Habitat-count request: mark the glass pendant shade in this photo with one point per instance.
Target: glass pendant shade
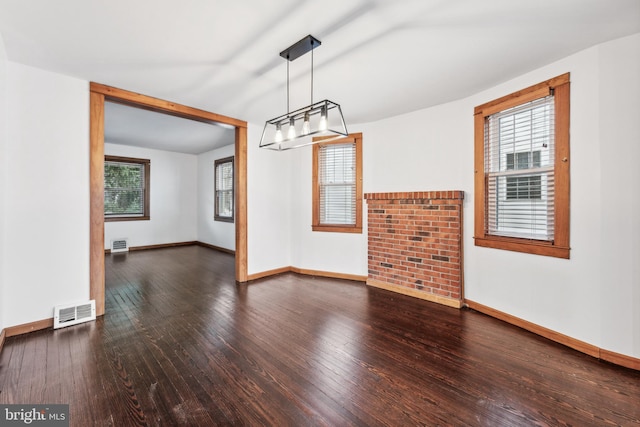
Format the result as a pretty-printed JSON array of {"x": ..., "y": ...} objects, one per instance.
[
  {"x": 306, "y": 126},
  {"x": 324, "y": 118},
  {"x": 278, "y": 135},
  {"x": 292, "y": 129}
]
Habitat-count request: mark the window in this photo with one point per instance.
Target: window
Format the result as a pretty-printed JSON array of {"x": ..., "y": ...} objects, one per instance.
[
  {"x": 337, "y": 185},
  {"x": 523, "y": 187},
  {"x": 522, "y": 170},
  {"x": 126, "y": 188},
  {"x": 224, "y": 189}
]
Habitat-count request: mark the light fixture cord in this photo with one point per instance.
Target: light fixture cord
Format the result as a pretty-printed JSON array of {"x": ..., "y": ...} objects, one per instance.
[
  {"x": 312, "y": 72},
  {"x": 288, "y": 84}
]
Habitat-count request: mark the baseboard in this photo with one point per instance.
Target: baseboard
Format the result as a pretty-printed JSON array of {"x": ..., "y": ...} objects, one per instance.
[
  {"x": 162, "y": 246},
  {"x": 2, "y": 337},
  {"x": 25, "y": 328},
  {"x": 620, "y": 359},
  {"x": 307, "y": 272},
  {"x": 581, "y": 346},
  {"x": 329, "y": 274},
  {"x": 268, "y": 273},
  {"x": 174, "y": 245},
  {"x": 216, "y": 248},
  {"x": 449, "y": 302},
  {"x": 158, "y": 246}
]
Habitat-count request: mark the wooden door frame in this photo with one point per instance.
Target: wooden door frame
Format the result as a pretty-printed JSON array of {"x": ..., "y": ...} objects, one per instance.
[{"x": 98, "y": 95}]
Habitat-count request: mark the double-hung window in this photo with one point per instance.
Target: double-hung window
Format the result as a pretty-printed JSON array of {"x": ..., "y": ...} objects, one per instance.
[
  {"x": 126, "y": 188},
  {"x": 337, "y": 185},
  {"x": 522, "y": 170},
  {"x": 224, "y": 190}
]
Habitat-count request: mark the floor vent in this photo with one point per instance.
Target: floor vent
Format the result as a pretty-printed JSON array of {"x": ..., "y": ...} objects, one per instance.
[
  {"x": 67, "y": 315},
  {"x": 119, "y": 245}
]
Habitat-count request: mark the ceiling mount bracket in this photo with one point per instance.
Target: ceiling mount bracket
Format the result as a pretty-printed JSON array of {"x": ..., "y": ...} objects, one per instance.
[{"x": 296, "y": 50}]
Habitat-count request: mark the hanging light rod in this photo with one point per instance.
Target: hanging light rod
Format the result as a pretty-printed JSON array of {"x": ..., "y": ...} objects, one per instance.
[{"x": 302, "y": 124}]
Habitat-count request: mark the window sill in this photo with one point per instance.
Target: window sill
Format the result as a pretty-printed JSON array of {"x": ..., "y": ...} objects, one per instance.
[
  {"x": 127, "y": 218},
  {"x": 337, "y": 228},
  {"x": 223, "y": 219},
  {"x": 523, "y": 245}
]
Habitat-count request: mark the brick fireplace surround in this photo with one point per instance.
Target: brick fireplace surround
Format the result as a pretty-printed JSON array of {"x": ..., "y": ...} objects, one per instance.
[{"x": 415, "y": 244}]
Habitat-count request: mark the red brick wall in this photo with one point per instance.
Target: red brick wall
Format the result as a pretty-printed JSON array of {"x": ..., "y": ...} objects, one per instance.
[{"x": 415, "y": 242}]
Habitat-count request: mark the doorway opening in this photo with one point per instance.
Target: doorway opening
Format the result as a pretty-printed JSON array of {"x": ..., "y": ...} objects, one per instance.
[{"x": 99, "y": 94}]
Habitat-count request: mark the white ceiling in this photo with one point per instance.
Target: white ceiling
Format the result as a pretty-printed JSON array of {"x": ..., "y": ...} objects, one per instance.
[
  {"x": 127, "y": 125},
  {"x": 378, "y": 58}
]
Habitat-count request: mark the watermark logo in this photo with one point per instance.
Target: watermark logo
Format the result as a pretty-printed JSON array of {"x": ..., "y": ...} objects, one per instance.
[{"x": 34, "y": 415}]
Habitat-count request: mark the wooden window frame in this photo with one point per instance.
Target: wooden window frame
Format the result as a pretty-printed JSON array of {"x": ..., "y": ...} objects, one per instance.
[
  {"x": 341, "y": 228},
  {"x": 559, "y": 247},
  {"x": 217, "y": 216},
  {"x": 147, "y": 179}
]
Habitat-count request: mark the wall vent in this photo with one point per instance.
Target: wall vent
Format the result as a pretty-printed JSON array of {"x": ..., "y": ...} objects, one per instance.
[
  {"x": 72, "y": 314},
  {"x": 119, "y": 245}
]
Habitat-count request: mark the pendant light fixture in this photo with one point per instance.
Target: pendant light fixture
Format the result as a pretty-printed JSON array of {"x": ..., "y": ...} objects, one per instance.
[{"x": 323, "y": 118}]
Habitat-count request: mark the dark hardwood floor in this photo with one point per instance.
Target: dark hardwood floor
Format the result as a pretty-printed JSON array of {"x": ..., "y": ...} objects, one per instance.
[{"x": 183, "y": 344}]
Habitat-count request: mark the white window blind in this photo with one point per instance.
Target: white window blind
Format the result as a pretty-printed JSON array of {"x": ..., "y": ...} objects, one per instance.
[
  {"x": 337, "y": 182},
  {"x": 224, "y": 189},
  {"x": 123, "y": 189},
  {"x": 519, "y": 165}
]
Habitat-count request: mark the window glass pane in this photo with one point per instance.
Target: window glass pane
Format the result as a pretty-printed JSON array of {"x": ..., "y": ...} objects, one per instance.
[
  {"x": 536, "y": 159},
  {"x": 524, "y": 187},
  {"x": 510, "y": 162},
  {"x": 337, "y": 204},
  {"x": 123, "y": 189},
  {"x": 337, "y": 182},
  {"x": 523, "y": 160},
  {"x": 225, "y": 203},
  {"x": 225, "y": 176},
  {"x": 519, "y": 164},
  {"x": 224, "y": 189}
]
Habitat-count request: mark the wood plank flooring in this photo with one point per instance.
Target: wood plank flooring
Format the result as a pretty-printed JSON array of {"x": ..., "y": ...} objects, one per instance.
[{"x": 182, "y": 344}]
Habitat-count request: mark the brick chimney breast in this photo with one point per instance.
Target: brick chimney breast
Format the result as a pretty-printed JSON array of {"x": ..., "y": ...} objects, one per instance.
[{"x": 415, "y": 244}]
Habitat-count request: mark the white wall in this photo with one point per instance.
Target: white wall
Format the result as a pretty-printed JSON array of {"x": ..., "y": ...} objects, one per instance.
[
  {"x": 269, "y": 205},
  {"x": 620, "y": 193},
  {"x": 218, "y": 233},
  {"x": 323, "y": 251},
  {"x": 3, "y": 167},
  {"x": 47, "y": 194},
  {"x": 594, "y": 296},
  {"x": 173, "y": 199}
]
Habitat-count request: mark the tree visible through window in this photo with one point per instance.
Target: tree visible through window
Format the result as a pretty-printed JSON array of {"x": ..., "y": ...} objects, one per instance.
[
  {"x": 126, "y": 188},
  {"x": 522, "y": 170},
  {"x": 224, "y": 189}
]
